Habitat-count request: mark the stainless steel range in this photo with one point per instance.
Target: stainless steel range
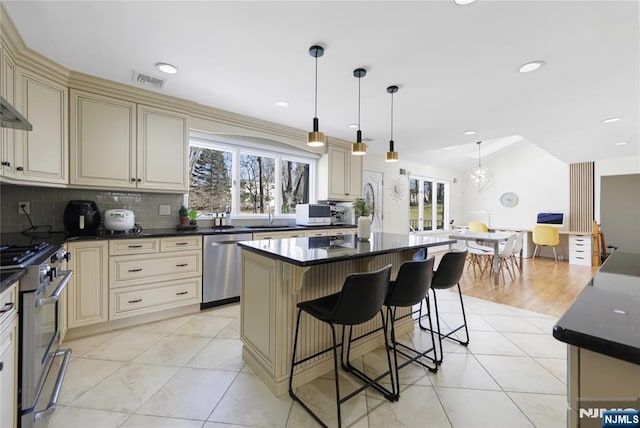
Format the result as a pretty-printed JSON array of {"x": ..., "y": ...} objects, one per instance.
[{"x": 39, "y": 342}]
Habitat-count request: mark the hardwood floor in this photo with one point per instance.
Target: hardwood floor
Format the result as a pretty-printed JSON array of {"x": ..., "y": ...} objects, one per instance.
[{"x": 545, "y": 286}]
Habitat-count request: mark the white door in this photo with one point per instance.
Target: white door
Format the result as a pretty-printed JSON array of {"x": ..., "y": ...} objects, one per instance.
[{"x": 372, "y": 192}]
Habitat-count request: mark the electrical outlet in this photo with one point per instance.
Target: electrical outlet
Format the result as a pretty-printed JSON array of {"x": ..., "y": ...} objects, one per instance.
[
  {"x": 164, "y": 209},
  {"x": 26, "y": 205}
]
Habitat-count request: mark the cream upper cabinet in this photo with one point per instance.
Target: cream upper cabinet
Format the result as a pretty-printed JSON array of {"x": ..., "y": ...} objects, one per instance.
[
  {"x": 119, "y": 144},
  {"x": 41, "y": 155},
  {"x": 162, "y": 150},
  {"x": 103, "y": 141},
  {"x": 7, "y": 135},
  {"x": 88, "y": 292},
  {"x": 339, "y": 175}
]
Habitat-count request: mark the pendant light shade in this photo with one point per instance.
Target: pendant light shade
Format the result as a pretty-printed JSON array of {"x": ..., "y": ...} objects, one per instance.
[
  {"x": 480, "y": 178},
  {"x": 359, "y": 148},
  {"x": 392, "y": 155},
  {"x": 315, "y": 137}
]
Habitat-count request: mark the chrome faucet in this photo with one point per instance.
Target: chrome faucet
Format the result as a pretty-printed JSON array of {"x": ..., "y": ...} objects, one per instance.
[{"x": 271, "y": 217}]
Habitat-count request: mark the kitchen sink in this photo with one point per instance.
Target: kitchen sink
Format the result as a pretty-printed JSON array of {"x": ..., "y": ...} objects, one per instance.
[{"x": 269, "y": 226}]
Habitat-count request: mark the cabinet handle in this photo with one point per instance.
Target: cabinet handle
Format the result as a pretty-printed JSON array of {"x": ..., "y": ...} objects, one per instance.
[
  {"x": 138, "y": 180},
  {"x": 181, "y": 243},
  {"x": 182, "y": 265},
  {"x": 135, "y": 246},
  {"x": 135, "y": 301},
  {"x": 182, "y": 293},
  {"x": 7, "y": 307},
  {"x": 135, "y": 270},
  {"x": 19, "y": 168},
  {"x": 5, "y": 163},
  {"x": 133, "y": 180}
]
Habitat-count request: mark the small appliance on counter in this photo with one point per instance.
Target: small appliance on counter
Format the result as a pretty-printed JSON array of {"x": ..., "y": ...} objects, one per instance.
[
  {"x": 313, "y": 215},
  {"x": 81, "y": 217},
  {"x": 119, "y": 220}
]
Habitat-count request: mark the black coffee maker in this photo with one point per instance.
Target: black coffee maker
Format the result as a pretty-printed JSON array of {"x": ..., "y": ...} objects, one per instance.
[{"x": 81, "y": 217}]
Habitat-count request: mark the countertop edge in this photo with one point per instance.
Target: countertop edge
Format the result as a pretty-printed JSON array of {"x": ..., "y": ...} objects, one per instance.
[{"x": 602, "y": 346}]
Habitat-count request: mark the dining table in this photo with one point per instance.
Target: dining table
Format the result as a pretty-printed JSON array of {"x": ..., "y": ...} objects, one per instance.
[{"x": 488, "y": 239}]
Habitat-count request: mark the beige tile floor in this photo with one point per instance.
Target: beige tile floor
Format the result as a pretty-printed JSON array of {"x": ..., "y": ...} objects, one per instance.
[{"x": 188, "y": 372}]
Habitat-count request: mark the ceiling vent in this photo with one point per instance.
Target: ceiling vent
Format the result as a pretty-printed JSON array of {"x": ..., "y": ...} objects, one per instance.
[{"x": 148, "y": 81}]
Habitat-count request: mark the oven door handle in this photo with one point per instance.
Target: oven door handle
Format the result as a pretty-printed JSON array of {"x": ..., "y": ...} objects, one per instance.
[
  {"x": 66, "y": 276},
  {"x": 53, "y": 400}
]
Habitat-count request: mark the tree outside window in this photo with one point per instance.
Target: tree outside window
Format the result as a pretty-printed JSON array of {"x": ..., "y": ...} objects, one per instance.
[
  {"x": 294, "y": 185},
  {"x": 257, "y": 184},
  {"x": 210, "y": 181}
]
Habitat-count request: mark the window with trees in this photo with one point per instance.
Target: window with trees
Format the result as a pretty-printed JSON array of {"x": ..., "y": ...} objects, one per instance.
[
  {"x": 247, "y": 181},
  {"x": 428, "y": 204}
]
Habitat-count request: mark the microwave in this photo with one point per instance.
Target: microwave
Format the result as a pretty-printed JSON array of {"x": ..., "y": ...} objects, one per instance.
[{"x": 313, "y": 215}]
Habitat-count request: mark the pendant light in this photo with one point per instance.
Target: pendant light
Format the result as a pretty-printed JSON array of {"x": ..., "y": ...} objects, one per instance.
[
  {"x": 392, "y": 155},
  {"x": 315, "y": 137},
  {"x": 480, "y": 177},
  {"x": 359, "y": 148}
]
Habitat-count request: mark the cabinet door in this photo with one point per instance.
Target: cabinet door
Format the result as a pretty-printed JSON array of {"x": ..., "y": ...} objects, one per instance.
[
  {"x": 87, "y": 290},
  {"x": 42, "y": 154},
  {"x": 9, "y": 373},
  {"x": 7, "y": 135},
  {"x": 103, "y": 141},
  {"x": 162, "y": 150},
  {"x": 354, "y": 189},
  {"x": 338, "y": 172}
]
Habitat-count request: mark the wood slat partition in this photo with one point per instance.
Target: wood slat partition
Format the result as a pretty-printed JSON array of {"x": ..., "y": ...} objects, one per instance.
[{"x": 581, "y": 196}]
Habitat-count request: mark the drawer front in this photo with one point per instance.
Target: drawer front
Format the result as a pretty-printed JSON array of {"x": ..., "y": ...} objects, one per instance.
[
  {"x": 181, "y": 243},
  {"x": 142, "y": 299},
  {"x": 324, "y": 232},
  {"x": 9, "y": 303},
  {"x": 279, "y": 234},
  {"x": 580, "y": 243},
  {"x": 133, "y": 246},
  {"x": 141, "y": 269},
  {"x": 580, "y": 258},
  {"x": 341, "y": 232}
]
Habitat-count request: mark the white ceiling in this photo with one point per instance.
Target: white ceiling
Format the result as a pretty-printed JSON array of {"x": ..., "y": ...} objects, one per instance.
[{"x": 456, "y": 66}]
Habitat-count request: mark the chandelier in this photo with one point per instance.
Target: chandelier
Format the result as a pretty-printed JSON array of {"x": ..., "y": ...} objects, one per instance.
[{"x": 480, "y": 178}]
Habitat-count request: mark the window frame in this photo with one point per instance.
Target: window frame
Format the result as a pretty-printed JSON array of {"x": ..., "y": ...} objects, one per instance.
[{"x": 254, "y": 149}]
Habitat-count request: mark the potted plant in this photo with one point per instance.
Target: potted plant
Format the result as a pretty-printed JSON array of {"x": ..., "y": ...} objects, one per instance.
[
  {"x": 193, "y": 214},
  {"x": 363, "y": 210},
  {"x": 183, "y": 212}
]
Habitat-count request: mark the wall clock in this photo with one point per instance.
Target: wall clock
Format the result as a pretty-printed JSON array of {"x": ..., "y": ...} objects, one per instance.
[
  {"x": 397, "y": 189},
  {"x": 509, "y": 199}
]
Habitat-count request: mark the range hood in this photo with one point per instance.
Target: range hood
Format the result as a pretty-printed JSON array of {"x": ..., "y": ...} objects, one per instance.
[{"x": 10, "y": 118}]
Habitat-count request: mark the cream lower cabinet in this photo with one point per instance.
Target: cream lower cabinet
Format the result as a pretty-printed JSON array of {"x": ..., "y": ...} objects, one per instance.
[
  {"x": 340, "y": 175},
  {"x": 9, "y": 357},
  {"x": 42, "y": 155},
  {"x": 343, "y": 231},
  {"x": 280, "y": 234},
  {"x": 121, "y": 144},
  {"x": 87, "y": 291},
  {"x": 150, "y": 275}
]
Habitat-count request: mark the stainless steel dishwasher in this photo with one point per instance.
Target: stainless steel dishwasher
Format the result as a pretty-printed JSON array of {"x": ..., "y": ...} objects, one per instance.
[{"x": 221, "y": 269}]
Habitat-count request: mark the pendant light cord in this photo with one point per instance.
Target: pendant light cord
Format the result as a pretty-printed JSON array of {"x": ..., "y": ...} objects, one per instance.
[
  {"x": 479, "y": 165},
  {"x": 359, "y": 78},
  {"x": 392, "y": 116},
  {"x": 316, "y": 89}
]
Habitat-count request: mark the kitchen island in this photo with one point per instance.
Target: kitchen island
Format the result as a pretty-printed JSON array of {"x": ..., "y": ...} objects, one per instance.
[
  {"x": 279, "y": 273},
  {"x": 602, "y": 330}
]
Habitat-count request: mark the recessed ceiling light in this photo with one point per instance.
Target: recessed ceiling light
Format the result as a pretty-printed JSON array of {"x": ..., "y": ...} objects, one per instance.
[
  {"x": 167, "y": 68},
  {"x": 463, "y": 2},
  {"x": 530, "y": 66},
  {"x": 282, "y": 103},
  {"x": 611, "y": 120},
  {"x": 622, "y": 143},
  {"x": 469, "y": 132},
  {"x": 451, "y": 148},
  {"x": 352, "y": 126}
]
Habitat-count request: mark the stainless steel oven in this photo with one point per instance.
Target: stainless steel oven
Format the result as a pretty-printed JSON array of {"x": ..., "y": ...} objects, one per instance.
[{"x": 40, "y": 380}]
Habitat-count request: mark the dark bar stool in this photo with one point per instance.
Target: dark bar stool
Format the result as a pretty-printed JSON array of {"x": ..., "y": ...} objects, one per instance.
[
  {"x": 446, "y": 276},
  {"x": 410, "y": 287},
  {"x": 359, "y": 301}
]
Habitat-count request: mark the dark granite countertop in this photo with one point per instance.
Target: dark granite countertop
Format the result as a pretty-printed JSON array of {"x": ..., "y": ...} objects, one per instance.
[
  {"x": 605, "y": 317},
  {"x": 8, "y": 277},
  {"x": 324, "y": 249}
]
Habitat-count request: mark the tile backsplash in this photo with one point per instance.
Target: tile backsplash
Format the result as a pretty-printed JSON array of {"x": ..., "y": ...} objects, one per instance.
[{"x": 47, "y": 206}]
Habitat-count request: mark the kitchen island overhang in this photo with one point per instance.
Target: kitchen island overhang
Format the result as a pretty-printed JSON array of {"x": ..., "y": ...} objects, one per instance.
[{"x": 277, "y": 274}]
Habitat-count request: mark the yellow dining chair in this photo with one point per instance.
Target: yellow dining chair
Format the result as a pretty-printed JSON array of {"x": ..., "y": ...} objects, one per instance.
[
  {"x": 478, "y": 226},
  {"x": 546, "y": 236}
]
